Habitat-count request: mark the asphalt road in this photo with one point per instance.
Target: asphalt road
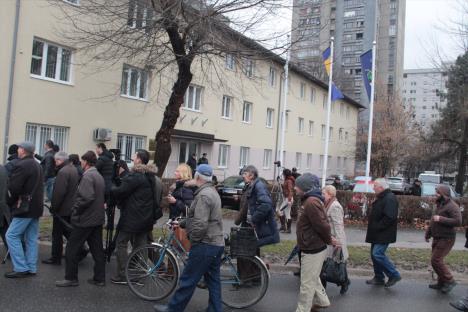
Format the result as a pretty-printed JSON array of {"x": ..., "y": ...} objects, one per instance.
[{"x": 40, "y": 294}]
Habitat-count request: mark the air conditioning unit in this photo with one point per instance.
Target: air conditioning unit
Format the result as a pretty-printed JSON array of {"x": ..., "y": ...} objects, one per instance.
[{"x": 102, "y": 134}]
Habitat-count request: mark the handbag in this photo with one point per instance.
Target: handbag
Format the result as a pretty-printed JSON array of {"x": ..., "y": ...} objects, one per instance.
[
  {"x": 181, "y": 235},
  {"x": 22, "y": 205},
  {"x": 334, "y": 268}
]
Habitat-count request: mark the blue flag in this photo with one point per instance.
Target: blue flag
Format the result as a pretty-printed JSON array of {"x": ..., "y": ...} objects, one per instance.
[
  {"x": 366, "y": 69},
  {"x": 336, "y": 93}
]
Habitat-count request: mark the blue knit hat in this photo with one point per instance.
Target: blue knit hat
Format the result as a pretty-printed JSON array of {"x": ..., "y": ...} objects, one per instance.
[
  {"x": 308, "y": 182},
  {"x": 205, "y": 170}
]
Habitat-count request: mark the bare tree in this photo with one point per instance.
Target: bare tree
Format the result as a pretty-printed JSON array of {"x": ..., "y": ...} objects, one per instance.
[{"x": 169, "y": 34}]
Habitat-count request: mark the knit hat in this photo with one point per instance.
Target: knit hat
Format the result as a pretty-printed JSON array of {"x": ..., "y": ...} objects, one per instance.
[
  {"x": 308, "y": 182},
  {"x": 443, "y": 190},
  {"x": 27, "y": 146},
  {"x": 205, "y": 170}
]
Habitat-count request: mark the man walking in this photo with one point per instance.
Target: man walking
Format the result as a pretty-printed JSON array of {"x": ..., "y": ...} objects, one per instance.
[
  {"x": 313, "y": 236},
  {"x": 87, "y": 218},
  {"x": 48, "y": 167},
  {"x": 205, "y": 231},
  {"x": 66, "y": 184},
  {"x": 27, "y": 204},
  {"x": 139, "y": 205},
  {"x": 105, "y": 166},
  {"x": 442, "y": 229},
  {"x": 382, "y": 231}
]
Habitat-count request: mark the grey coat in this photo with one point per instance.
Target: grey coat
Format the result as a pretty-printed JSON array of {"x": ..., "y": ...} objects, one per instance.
[
  {"x": 335, "y": 216},
  {"x": 204, "y": 219},
  {"x": 66, "y": 184},
  {"x": 88, "y": 207},
  {"x": 4, "y": 209}
]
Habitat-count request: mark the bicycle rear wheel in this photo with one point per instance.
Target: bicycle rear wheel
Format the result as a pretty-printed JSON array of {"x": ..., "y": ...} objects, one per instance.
[
  {"x": 152, "y": 272},
  {"x": 244, "y": 281}
]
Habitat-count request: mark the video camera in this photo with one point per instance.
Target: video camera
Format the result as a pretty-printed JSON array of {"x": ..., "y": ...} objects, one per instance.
[{"x": 277, "y": 163}]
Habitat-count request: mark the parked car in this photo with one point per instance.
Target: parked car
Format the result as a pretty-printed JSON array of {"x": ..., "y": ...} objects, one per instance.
[
  {"x": 347, "y": 184},
  {"x": 358, "y": 205},
  {"x": 429, "y": 189},
  {"x": 230, "y": 191},
  {"x": 399, "y": 185}
]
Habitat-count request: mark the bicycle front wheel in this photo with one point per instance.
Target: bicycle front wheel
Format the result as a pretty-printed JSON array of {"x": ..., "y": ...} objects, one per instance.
[
  {"x": 244, "y": 281},
  {"x": 152, "y": 272}
]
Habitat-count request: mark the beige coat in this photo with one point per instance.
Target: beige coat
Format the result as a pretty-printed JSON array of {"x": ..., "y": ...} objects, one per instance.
[{"x": 335, "y": 217}]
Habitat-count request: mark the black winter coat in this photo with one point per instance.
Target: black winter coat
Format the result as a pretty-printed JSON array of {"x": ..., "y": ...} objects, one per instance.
[
  {"x": 184, "y": 198},
  {"x": 136, "y": 199},
  {"x": 12, "y": 160},
  {"x": 27, "y": 179},
  {"x": 48, "y": 164},
  {"x": 105, "y": 166},
  {"x": 4, "y": 209},
  {"x": 383, "y": 219}
]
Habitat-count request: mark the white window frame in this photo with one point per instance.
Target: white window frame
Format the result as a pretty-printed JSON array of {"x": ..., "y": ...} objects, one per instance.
[
  {"x": 73, "y": 2},
  {"x": 309, "y": 161},
  {"x": 298, "y": 160},
  {"x": 137, "y": 142},
  {"x": 312, "y": 95},
  {"x": 302, "y": 90},
  {"x": 226, "y": 107},
  {"x": 323, "y": 134},
  {"x": 348, "y": 112},
  {"x": 331, "y": 134},
  {"x": 193, "y": 106},
  {"x": 249, "y": 67},
  {"x": 342, "y": 109},
  {"x": 300, "y": 125},
  {"x": 223, "y": 155},
  {"x": 142, "y": 75},
  {"x": 270, "y": 117},
  {"x": 230, "y": 61},
  {"x": 267, "y": 158},
  {"x": 272, "y": 77},
  {"x": 58, "y": 62},
  {"x": 134, "y": 17},
  {"x": 340, "y": 134},
  {"x": 311, "y": 128},
  {"x": 247, "y": 110},
  {"x": 38, "y": 134},
  {"x": 338, "y": 163},
  {"x": 322, "y": 158},
  {"x": 244, "y": 156}
]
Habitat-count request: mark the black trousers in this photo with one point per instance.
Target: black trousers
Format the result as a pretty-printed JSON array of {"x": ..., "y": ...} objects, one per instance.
[
  {"x": 92, "y": 235},
  {"x": 59, "y": 230}
]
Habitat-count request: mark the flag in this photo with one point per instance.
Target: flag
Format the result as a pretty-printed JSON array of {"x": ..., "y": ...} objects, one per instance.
[
  {"x": 366, "y": 69},
  {"x": 336, "y": 93}
]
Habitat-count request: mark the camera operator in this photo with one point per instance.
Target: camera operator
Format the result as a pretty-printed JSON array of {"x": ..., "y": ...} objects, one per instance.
[{"x": 138, "y": 197}]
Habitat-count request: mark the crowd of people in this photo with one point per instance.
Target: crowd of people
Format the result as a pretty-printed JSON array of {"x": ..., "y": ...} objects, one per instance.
[{"x": 81, "y": 189}]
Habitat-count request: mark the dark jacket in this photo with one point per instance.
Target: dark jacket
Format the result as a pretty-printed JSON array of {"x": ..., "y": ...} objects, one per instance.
[
  {"x": 88, "y": 206},
  {"x": 12, "y": 160},
  {"x": 313, "y": 231},
  {"x": 262, "y": 213},
  {"x": 48, "y": 164},
  {"x": 4, "y": 209},
  {"x": 184, "y": 197},
  {"x": 466, "y": 236},
  {"x": 416, "y": 190},
  {"x": 192, "y": 163},
  {"x": 202, "y": 160},
  {"x": 450, "y": 217},
  {"x": 383, "y": 219},
  {"x": 105, "y": 166},
  {"x": 27, "y": 180},
  {"x": 66, "y": 184},
  {"x": 137, "y": 199}
]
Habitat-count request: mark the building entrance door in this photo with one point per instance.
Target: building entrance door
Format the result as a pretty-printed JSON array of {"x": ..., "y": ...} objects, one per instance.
[{"x": 186, "y": 149}]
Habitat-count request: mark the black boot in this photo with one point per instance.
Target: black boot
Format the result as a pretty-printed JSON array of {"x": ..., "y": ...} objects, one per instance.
[
  {"x": 283, "y": 224},
  {"x": 288, "y": 230}
]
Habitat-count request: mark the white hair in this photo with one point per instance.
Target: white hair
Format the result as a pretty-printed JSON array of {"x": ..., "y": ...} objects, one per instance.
[
  {"x": 203, "y": 177},
  {"x": 61, "y": 156},
  {"x": 382, "y": 182}
]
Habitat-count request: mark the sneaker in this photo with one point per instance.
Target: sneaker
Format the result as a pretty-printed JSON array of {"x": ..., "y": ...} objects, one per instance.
[
  {"x": 392, "y": 281},
  {"x": 67, "y": 283},
  {"x": 118, "y": 281},
  {"x": 375, "y": 281},
  {"x": 447, "y": 287},
  {"x": 460, "y": 305},
  {"x": 436, "y": 286},
  {"x": 92, "y": 281}
]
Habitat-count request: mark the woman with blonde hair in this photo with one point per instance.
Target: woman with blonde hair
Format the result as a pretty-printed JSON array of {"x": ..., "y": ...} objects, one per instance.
[
  {"x": 182, "y": 195},
  {"x": 335, "y": 215}
]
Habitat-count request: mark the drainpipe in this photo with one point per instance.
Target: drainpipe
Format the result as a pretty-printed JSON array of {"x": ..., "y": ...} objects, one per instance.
[
  {"x": 277, "y": 129},
  {"x": 11, "y": 82}
]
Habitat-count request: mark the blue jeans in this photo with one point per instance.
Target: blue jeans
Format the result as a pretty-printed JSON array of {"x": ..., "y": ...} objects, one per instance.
[
  {"x": 204, "y": 261},
  {"x": 382, "y": 265},
  {"x": 49, "y": 187},
  {"x": 26, "y": 229}
]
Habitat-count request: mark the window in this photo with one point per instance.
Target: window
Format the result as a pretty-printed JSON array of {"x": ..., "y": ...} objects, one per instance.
[
  {"x": 311, "y": 128},
  {"x": 331, "y": 134},
  {"x": 340, "y": 134},
  {"x": 51, "y": 62},
  {"x": 269, "y": 117},
  {"x": 392, "y": 30},
  {"x": 303, "y": 88},
  {"x": 309, "y": 161},
  {"x": 226, "y": 110},
  {"x": 249, "y": 66},
  {"x": 134, "y": 83},
  {"x": 349, "y": 13},
  {"x": 244, "y": 156},
  {"x": 338, "y": 163},
  {"x": 298, "y": 160},
  {"x": 39, "y": 134},
  {"x": 230, "y": 61},
  {"x": 247, "y": 112},
  {"x": 348, "y": 112},
  {"x": 300, "y": 127},
  {"x": 267, "y": 158},
  {"x": 323, "y": 132},
  {"x": 359, "y": 36},
  {"x": 77, "y": 2},
  {"x": 223, "y": 155},
  {"x": 140, "y": 14},
  {"x": 129, "y": 144},
  {"x": 272, "y": 77},
  {"x": 345, "y": 163},
  {"x": 321, "y": 162},
  {"x": 342, "y": 109},
  {"x": 312, "y": 95},
  {"x": 346, "y": 136},
  {"x": 193, "y": 98}
]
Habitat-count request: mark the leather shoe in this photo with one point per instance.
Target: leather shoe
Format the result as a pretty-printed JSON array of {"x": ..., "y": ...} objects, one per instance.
[
  {"x": 92, "y": 281},
  {"x": 460, "y": 305},
  {"x": 67, "y": 283},
  {"x": 14, "y": 274},
  {"x": 447, "y": 287},
  {"x": 161, "y": 308},
  {"x": 345, "y": 287},
  {"x": 436, "y": 286},
  {"x": 51, "y": 261},
  {"x": 392, "y": 281},
  {"x": 375, "y": 281}
]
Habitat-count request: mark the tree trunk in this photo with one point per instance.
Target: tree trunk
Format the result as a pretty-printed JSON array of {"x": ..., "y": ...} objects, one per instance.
[
  {"x": 171, "y": 114},
  {"x": 462, "y": 161}
]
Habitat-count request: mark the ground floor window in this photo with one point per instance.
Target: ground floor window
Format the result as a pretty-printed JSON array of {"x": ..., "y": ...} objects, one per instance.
[
  {"x": 128, "y": 144},
  {"x": 39, "y": 134}
]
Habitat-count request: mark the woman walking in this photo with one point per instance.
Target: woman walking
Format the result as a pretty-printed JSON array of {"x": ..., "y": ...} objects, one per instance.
[
  {"x": 182, "y": 196},
  {"x": 284, "y": 209},
  {"x": 335, "y": 216}
]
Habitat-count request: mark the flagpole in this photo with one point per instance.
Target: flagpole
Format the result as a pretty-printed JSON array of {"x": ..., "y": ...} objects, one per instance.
[
  {"x": 327, "y": 130},
  {"x": 371, "y": 116},
  {"x": 285, "y": 105}
]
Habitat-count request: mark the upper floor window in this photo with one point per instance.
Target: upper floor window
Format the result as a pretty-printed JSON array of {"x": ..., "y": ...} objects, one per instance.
[
  {"x": 134, "y": 82},
  {"x": 193, "y": 98},
  {"x": 244, "y": 156},
  {"x": 269, "y": 117},
  {"x": 272, "y": 77},
  {"x": 311, "y": 128},
  {"x": 223, "y": 155},
  {"x": 300, "y": 127},
  {"x": 226, "y": 111},
  {"x": 247, "y": 112},
  {"x": 230, "y": 61},
  {"x": 77, "y": 2},
  {"x": 140, "y": 14},
  {"x": 50, "y": 61},
  {"x": 312, "y": 95},
  {"x": 249, "y": 66},
  {"x": 303, "y": 90},
  {"x": 323, "y": 133},
  {"x": 348, "y": 112}
]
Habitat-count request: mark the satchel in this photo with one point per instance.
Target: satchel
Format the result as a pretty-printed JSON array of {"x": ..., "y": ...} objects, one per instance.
[
  {"x": 181, "y": 235},
  {"x": 21, "y": 206},
  {"x": 334, "y": 268}
]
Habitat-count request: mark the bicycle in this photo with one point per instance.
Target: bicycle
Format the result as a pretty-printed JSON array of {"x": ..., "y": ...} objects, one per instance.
[{"x": 152, "y": 273}]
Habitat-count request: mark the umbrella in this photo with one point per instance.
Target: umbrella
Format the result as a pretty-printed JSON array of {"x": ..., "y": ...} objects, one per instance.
[{"x": 293, "y": 253}]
